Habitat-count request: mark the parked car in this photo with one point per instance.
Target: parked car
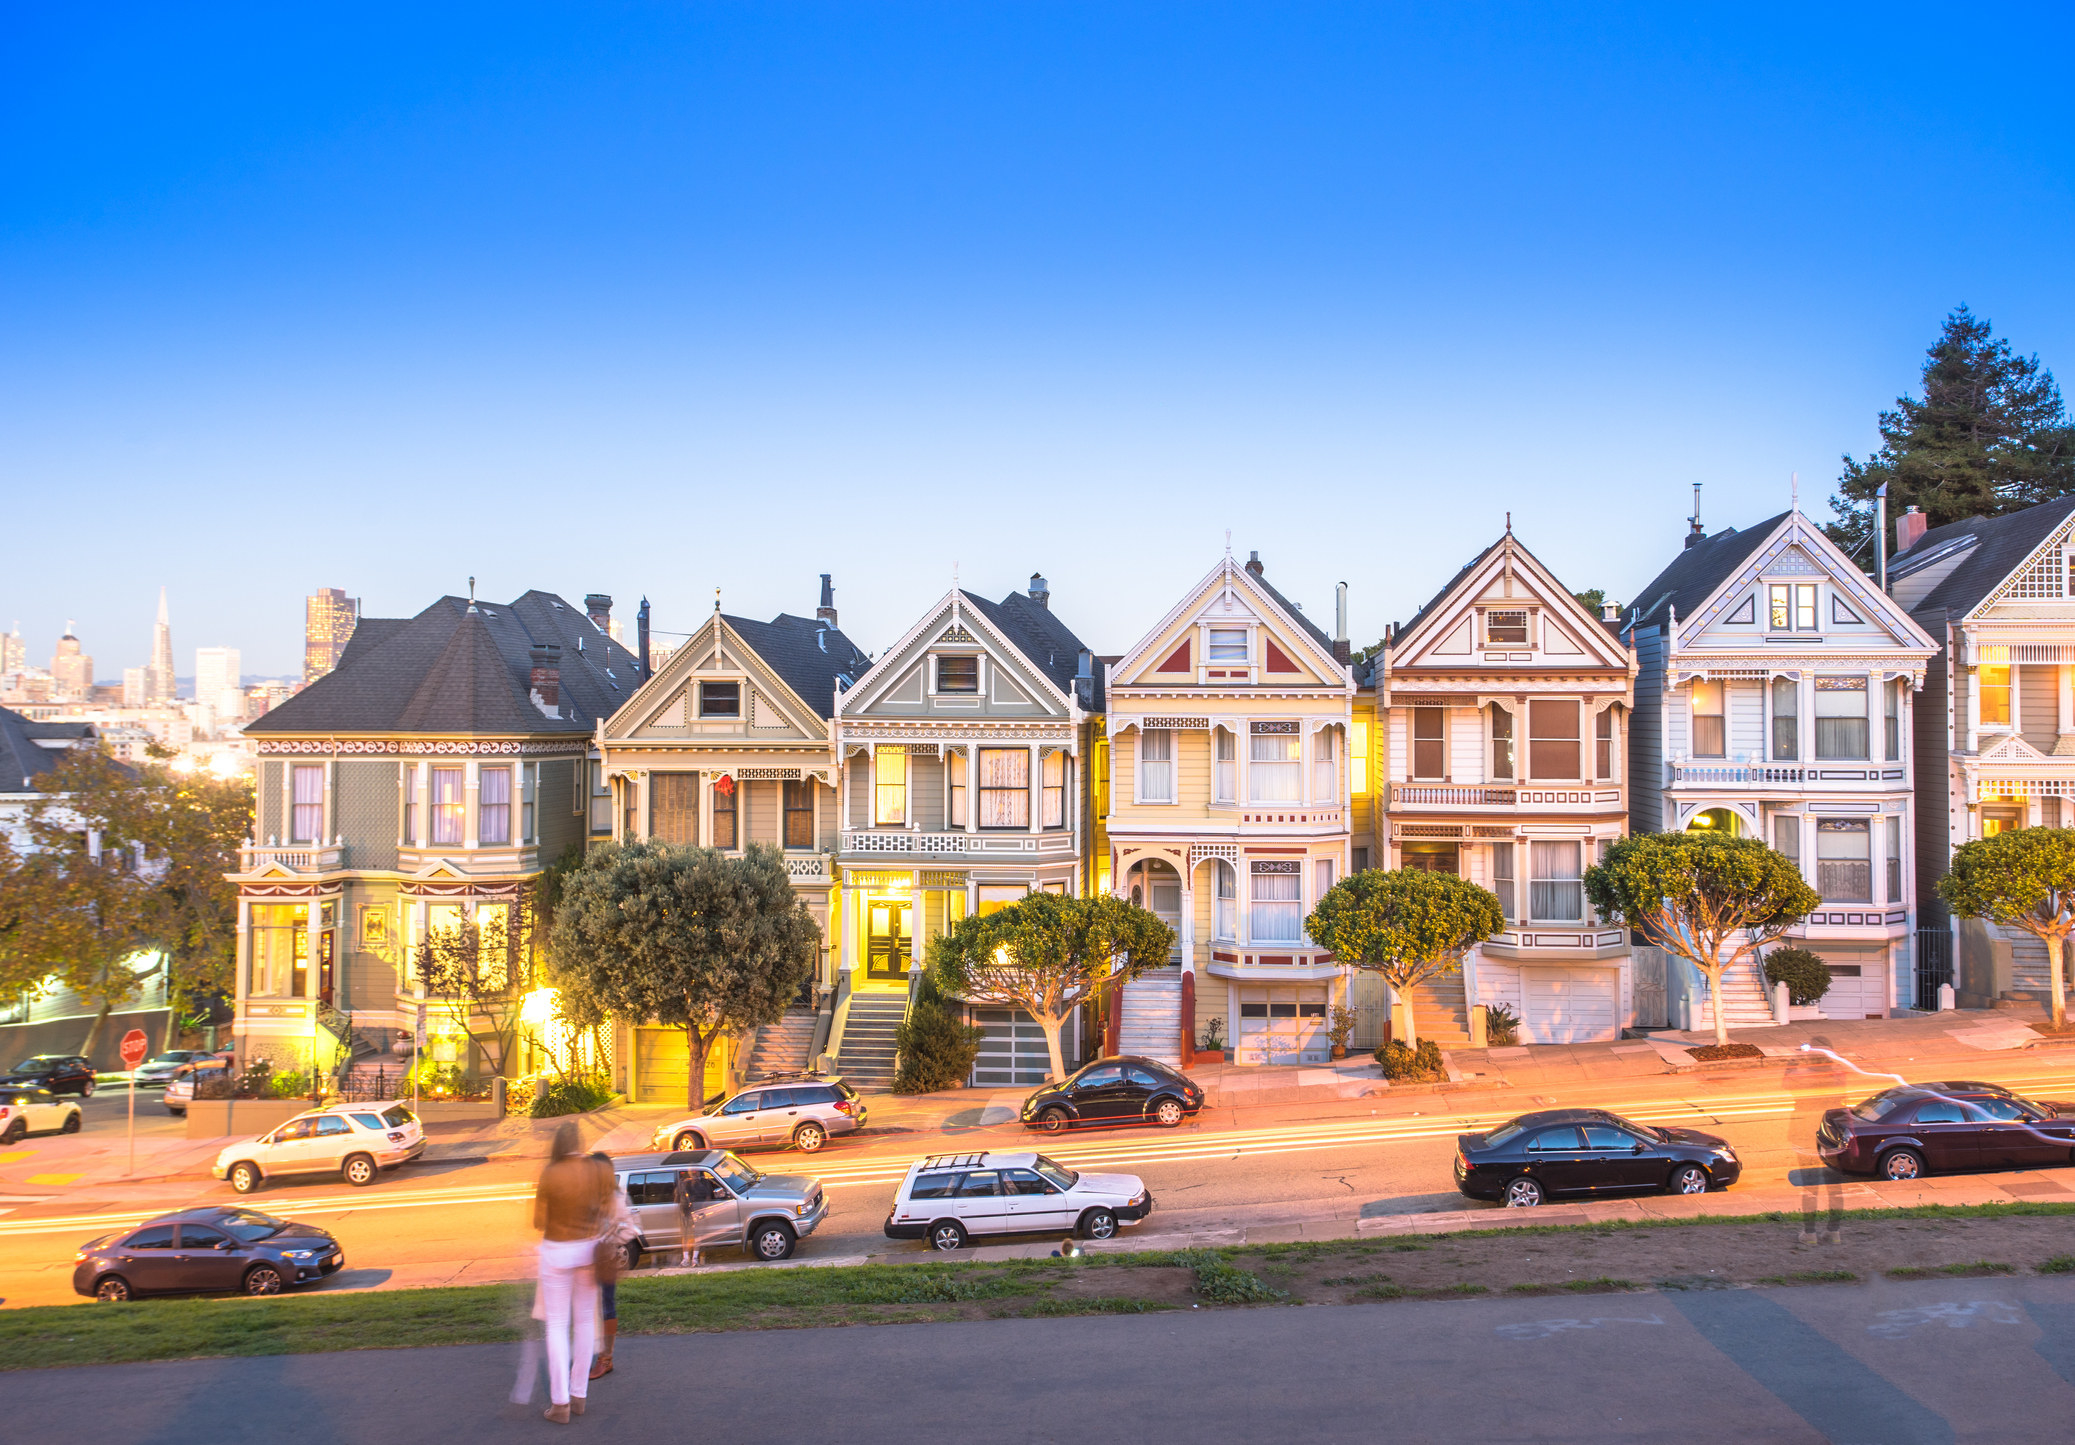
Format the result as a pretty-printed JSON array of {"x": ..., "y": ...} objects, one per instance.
[
  {"x": 1124, "y": 1090},
  {"x": 207, "y": 1077},
  {"x": 160, "y": 1069},
  {"x": 215, "y": 1249},
  {"x": 59, "y": 1073},
  {"x": 1907, "y": 1132},
  {"x": 947, "y": 1198},
  {"x": 27, "y": 1109},
  {"x": 1588, "y": 1151},
  {"x": 353, "y": 1141},
  {"x": 802, "y": 1110},
  {"x": 766, "y": 1214}
]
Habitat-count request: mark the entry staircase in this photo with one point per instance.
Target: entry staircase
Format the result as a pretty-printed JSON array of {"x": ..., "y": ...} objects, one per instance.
[
  {"x": 1440, "y": 1012},
  {"x": 1152, "y": 1017},
  {"x": 866, "y": 1060},
  {"x": 782, "y": 1048},
  {"x": 1743, "y": 999}
]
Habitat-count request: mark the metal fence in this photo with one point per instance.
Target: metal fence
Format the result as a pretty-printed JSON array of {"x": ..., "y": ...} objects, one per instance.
[{"x": 1934, "y": 965}]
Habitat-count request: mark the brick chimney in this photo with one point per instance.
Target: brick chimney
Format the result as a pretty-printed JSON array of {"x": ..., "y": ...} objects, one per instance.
[
  {"x": 1909, "y": 530},
  {"x": 1040, "y": 593},
  {"x": 545, "y": 681},
  {"x": 1253, "y": 563},
  {"x": 826, "y": 612},
  {"x": 599, "y": 608}
]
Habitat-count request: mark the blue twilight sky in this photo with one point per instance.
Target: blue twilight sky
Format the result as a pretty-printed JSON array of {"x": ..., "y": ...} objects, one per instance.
[{"x": 659, "y": 298}]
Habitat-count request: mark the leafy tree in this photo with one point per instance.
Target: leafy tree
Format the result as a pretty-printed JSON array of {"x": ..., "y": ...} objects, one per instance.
[
  {"x": 689, "y": 937},
  {"x": 935, "y": 1049},
  {"x": 1592, "y": 599},
  {"x": 1707, "y": 897},
  {"x": 1048, "y": 954},
  {"x": 2021, "y": 879},
  {"x": 477, "y": 975},
  {"x": 1989, "y": 435},
  {"x": 1406, "y": 924}
]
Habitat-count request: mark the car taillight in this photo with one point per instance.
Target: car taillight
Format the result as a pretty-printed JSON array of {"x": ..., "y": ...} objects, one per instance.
[
  {"x": 1462, "y": 1161},
  {"x": 842, "y": 1106},
  {"x": 396, "y": 1136}
]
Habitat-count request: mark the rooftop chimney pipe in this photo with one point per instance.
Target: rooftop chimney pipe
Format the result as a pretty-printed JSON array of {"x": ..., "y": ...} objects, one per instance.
[
  {"x": 1342, "y": 653},
  {"x": 1040, "y": 592},
  {"x": 1909, "y": 530},
  {"x": 1694, "y": 535},
  {"x": 641, "y": 639},
  {"x": 826, "y": 612},
  {"x": 546, "y": 678},
  {"x": 598, "y": 607}
]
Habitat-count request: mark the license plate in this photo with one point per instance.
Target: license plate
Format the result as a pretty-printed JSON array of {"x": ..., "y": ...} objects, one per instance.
[{"x": 335, "y": 1259}]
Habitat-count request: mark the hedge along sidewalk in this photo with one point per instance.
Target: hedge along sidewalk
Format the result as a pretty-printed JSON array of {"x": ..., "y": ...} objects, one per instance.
[{"x": 1698, "y": 1253}]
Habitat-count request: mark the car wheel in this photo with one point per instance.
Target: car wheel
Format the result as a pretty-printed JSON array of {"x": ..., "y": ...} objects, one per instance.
[
  {"x": 947, "y": 1235},
  {"x": 1688, "y": 1179},
  {"x": 771, "y": 1242},
  {"x": 86, "y": 1090},
  {"x": 810, "y": 1137},
  {"x": 262, "y": 1279},
  {"x": 1168, "y": 1113},
  {"x": 1099, "y": 1224},
  {"x": 14, "y": 1133},
  {"x": 1052, "y": 1120},
  {"x": 112, "y": 1289},
  {"x": 1902, "y": 1164},
  {"x": 687, "y": 1140},
  {"x": 359, "y": 1171},
  {"x": 72, "y": 1122},
  {"x": 1523, "y": 1193},
  {"x": 632, "y": 1252},
  {"x": 244, "y": 1176}
]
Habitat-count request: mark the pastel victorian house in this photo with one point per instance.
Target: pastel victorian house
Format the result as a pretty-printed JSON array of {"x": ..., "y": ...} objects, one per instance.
[
  {"x": 1995, "y": 744},
  {"x": 962, "y": 753},
  {"x": 1229, "y": 726},
  {"x": 728, "y": 744},
  {"x": 1502, "y": 712},
  {"x": 1775, "y": 700},
  {"x": 437, "y": 771}
]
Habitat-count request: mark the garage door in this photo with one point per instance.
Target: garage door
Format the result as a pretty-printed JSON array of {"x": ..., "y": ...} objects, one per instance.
[
  {"x": 1012, "y": 1048},
  {"x": 1282, "y": 1026},
  {"x": 661, "y": 1062},
  {"x": 1858, "y": 990},
  {"x": 1569, "y": 1005}
]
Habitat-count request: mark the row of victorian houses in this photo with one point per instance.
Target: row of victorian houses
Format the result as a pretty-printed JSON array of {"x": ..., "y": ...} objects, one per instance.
[{"x": 1223, "y": 772}]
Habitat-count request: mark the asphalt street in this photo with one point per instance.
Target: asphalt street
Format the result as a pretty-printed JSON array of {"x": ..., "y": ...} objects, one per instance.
[{"x": 1990, "y": 1360}]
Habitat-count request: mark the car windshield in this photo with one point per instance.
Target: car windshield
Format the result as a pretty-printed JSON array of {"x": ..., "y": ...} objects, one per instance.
[
  {"x": 1645, "y": 1130},
  {"x": 35, "y": 1066},
  {"x": 1880, "y": 1105},
  {"x": 1057, "y": 1174},
  {"x": 1505, "y": 1134},
  {"x": 250, "y": 1225},
  {"x": 739, "y": 1176}
]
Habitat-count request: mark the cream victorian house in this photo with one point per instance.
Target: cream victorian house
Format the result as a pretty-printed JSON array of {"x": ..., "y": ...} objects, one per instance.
[
  {"x": 1501, "y": 714},
  {"x": 1229, "y": 726}
]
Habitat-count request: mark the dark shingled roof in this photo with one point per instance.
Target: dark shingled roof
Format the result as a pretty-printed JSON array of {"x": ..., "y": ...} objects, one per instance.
[
  {"x": 1446, "y": 588},
  {"x": 20, "y": 757},
  {"x": 1696, "y": 572},
  {"x": 1040, "y": 636},
  {"x": 1318, "y": 633},
  {"x": 2001, "y": 546},
  {"x": 806, "y": 653},
  {"x": 457, "y": 668}
]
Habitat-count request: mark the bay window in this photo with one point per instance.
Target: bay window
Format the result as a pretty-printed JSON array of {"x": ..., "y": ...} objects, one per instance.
[
  {"x": 1225, "y": 766},
  {"x": 448, "y": 807},
  {"x": 956, "y": 784},
  {"x": 1502, "y": 879},
  {"x": 1710, "y": 732},
  {"x": 1786, "y": 720},
  {"x": 1224, "y": 919},
  {"x": 1052, "y": 791},
  {"x": 1841, "y": 718},
  {"x": 1891, "y": 709},
  {"x": 889, "y": 785},
  {"x": 494, "y": 805},
  {"x": 1274, "y": 772},
  {"x": 306, "y": 814},
  {"x": 1552, "y": 739},
  {"x": 1325, "y": 770},
  {"x": 1603, "y": 744},
  {"x": 1844, "y": 859},
  {"x": 1155, "y": 765},
  {"x": 1278, "y": 903},
  {"x": 1892, "y": 829},
  {"x": 1501, "y": 744},
  {"x": 1005, "y": 788},
  {"x": 280, "y": 956},
  {"x": 1555, "y": 886},
  {"x": 1429, "y": 744}
]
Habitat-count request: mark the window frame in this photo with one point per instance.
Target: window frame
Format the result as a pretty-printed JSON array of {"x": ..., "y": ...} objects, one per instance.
[
  {"x": 1224, "y": 909},
  {"x": 1215, "y": 651},
  {"x": 1574, "y": 741},
  {"x": 1539, "y": 849},
  {"x": 1841, "y": 683},
  {"x": 986, "y": 794},
  {"x": 1052, "y": 794},
  {"x": 306, "y": 813},
  {"x": 1150, "y": 741},
  {"x": 1270, "y": 734},
  {"x": 1832, "y": 872},
  {"x": 1426, "y": 758},
  {"x": 1224, "y": 765},
  {"x": 1505, "y": 744},
  {"x": 957, "y": 788},
  {"x": 449, "y": 814},
  {"x": 959, "y": 689},
  {"x": 727, "y": 804},
  {"x": 1700, "y": 737},
  {"x": 1504, "y": 882},
  {"x": 1787, "y": 748},
  {"x": 1497, "y": 634},
  {"x": 796, "y": 800},
  {"x": 2006, "y": 690},
  {"x": 883, "y": 792},
  {"x": 1603, "y": 740},
  {"x": 498, "y": 813},
  {"x": 1259, "y": 906},
  {"x": 1325, "y": 767},
  {"x": 733, "y": 687}
]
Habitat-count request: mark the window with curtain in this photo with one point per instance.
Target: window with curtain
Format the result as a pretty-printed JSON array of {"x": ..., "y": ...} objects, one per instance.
[
  {"x": 890, "y": 785},
  {"x": 1603, "y": 744},
  {"x": 1429, "y": 742},
  {"x": 1786, "y": 836},
  {"x": 1556, "y": 890},
  {"x": 410, "y": 805},
  {"x": 1786, "y": 719},
  {"x": 306, "y": 815},
  {"x": 1501, "y": 744},
  {"x": 1052, "y": 790},
  {"x": 494, "y": 805},
  {"x": 1844, "y": 859},
  {"x": 280, "y": 950},
  {"x": 1155, "y": 765},
  {"x": 1841, "y": 718},
  {"x": 1325, "y": 768},
  {"x": 1502, "y": 879},
  {"x": 448, "y": 807},
  {"x": 1224, "y": 922},
  {"x": 1225, "y": 772},
  {"x": 955, "y": 771},
  {"x": 1274, "y": 769},
  {"x": 958, "y": 674},
  {"x": 1992, "y": 683},
  {"x": 1322, "y": 881},
  {"x": 1004, "y": 787},
  {"x": 1227, "y": 644},
  {"x": 1892, "y": 842},
  {"x": 1552, "y": 739},
  {"x": 1891, "y": 717},
  {"x": 725, "y": 798},
  {"x": 1278, "y": 903},
  {"x": 1710, "y": 730},
  {"x": 673, "y": 807},
  {"x": 799, "y": 814}
]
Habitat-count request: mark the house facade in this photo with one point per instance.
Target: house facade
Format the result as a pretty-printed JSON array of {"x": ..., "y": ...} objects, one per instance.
[
  {"x": 729, "y": 744},
  {"x": 1229, "y": 726},
  {"x": 1775, "y": 699},
  {"x": 1501, "y": 715},
  {"x": 433, "y": 775},
  {"x": 1995, "y": 738}
]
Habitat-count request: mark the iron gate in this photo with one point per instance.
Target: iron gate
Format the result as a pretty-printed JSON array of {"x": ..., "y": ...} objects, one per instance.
[{"x": 1934, "y": 965}]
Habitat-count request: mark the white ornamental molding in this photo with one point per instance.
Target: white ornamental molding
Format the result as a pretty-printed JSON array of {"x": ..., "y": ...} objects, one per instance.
[
  {"x": 929, "y": 737},
  {"x": 439, "y": 747}
]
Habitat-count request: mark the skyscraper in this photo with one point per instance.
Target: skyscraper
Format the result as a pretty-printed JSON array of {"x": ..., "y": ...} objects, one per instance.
[
  {"x": 71, "y": 670},
  {"x": 328, "y": 623},
  {"x": 159, "y": 676},
  {"x": 216, "y": 682},
  {"x": 14, "y": 652}
]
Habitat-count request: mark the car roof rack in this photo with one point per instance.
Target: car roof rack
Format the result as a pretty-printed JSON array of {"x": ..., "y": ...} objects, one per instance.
[
  {"x": 952, "y": 1161},
  {"x": 788, "y": 1077}
]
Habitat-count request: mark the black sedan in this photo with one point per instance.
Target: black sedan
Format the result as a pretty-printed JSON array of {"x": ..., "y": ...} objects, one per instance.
[
  {"x": 220, "y": 1249},
  {"x": 1905, "y": 1133},
  {"x": 59, "y": 1073},
  {"x": 1588, "y": 1151},
  {"x": 1124, "y": 1090}
]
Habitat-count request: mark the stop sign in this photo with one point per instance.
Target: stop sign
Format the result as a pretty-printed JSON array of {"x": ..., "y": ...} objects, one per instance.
[{"x": 134, "y": 1047}]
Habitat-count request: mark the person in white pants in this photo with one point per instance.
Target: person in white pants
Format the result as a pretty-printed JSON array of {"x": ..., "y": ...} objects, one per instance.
[{"x": 571, "y": 1210}]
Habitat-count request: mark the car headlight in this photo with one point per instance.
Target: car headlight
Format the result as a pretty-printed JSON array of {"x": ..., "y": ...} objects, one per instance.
[
  {"x": 1136, "y": 1199},
  {"x": 1725, "y": 1152},
  {"x": 803, "y": 1209},
  {"x": 300, "y": 1253}
]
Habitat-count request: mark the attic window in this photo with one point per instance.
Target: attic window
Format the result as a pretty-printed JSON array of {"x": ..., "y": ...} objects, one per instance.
[
  {"x": 1227, "y": 644},
  {"x": 1508, "y": 627},
  {"x": 958, "y": 674},
  {"x": 720, "y": 699}
]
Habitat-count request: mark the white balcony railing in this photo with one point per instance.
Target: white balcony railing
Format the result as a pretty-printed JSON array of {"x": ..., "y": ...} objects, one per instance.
[
  {"x": 955, "y": 845},
  {"x": 297, "y": 857},
  {"x": 808, "y": 867}
]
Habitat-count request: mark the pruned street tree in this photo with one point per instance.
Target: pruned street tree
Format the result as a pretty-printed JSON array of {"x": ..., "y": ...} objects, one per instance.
[
  {"x": 1406, "y": 925},
  {"x": 688, "y": 937},
  {"x": 1707, "y": 897},
  {"x": 2024, "y": 878},
  {"x": 1048, "y": 955}
]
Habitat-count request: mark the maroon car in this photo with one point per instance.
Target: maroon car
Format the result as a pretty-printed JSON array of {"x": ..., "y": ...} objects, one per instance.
[{"x": 1906, "y": 1132}]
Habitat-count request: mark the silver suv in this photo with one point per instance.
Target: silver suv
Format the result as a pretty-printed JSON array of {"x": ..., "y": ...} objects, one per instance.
[
  {"x": 802, "y": 1110},
  {"x": 764, "y": 1213}
]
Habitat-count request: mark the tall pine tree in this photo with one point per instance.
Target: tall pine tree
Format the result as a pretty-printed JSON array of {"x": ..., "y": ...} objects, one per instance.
[{"x": 1989, "y": 435}]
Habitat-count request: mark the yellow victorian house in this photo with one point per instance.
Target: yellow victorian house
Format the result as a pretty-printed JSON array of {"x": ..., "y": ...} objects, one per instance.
[{"x": 1229, "y": 808}]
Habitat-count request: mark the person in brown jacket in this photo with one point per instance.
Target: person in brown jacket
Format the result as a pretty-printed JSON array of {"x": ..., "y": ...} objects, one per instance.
[{"x": 571, "y": 1209}]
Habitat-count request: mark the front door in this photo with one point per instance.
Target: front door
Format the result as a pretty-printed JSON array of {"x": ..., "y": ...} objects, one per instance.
[{"x": 888, "y": 943}]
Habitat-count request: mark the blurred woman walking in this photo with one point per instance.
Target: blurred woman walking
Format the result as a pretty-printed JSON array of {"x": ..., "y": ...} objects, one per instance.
[
  {"x": 571, "y": 1210},
  {"x": 621, "y": 1230}
]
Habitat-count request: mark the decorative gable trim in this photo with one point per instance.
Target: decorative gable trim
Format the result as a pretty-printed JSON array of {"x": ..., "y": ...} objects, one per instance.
[
  {"x": 2012, "y": 749},
  {"x": 975, "y": 630},
  {"x": 956, "y": 633},
  {"x": 1746, "y": 614},
  {"x": 2043, "y": 574},
  {"x": 1178, "y": 660},
  {"x": 1237, "y": 587},
  {"x": 1796, "y": 534},
  {"x": 1278, "y": 660}
]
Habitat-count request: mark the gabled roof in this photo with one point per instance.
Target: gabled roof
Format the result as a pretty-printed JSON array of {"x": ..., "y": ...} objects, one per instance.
[
  {"x": 1696, "y": 572},
  {"x": 1535, "y": 574},
  {"x": 1049, "y": 644},
  {"x": 459, "y": 667},
  {"x": 1230, "y": 573},
  {"x": 2000, "y": 547},
  {"x": 20, "y": 757},
  {"x": 1448, "y": 587},
  {"x": 807, "y": 654}
]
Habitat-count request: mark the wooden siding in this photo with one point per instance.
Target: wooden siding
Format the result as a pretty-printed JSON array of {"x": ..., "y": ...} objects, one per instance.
[
  {"x": 2038, "y": 704},
  {"x": 1934, "y": 779},
  {"x": 1646, "y": 736}
]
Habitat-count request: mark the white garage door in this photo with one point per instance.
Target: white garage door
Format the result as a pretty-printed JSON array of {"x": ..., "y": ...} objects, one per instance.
[
  {"x": 1282, "y": 1026},
  {"x": 1569, "y": 1005},
  {"x": 1012, "y": 1048},
  {"x": 1857, "y": 991}
]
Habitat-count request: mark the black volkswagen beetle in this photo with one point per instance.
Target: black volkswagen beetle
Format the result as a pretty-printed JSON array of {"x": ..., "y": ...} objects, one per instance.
[
  {"x": 1123, "y": 1090},
  {"x": 219, "y": 1249},
  {"x": 1588, "y": 1151},
  {"x": 59, "y": 1073}
]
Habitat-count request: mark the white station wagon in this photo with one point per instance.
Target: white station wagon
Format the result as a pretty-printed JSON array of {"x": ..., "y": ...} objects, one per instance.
[{"x": 947, "y": 1198}]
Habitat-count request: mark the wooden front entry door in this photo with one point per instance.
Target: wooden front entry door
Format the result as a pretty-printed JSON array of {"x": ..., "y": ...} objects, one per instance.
[{"x": 888, "y": 944}]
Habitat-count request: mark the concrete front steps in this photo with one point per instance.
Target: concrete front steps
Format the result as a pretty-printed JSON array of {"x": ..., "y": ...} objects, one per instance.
[
  {"x": 866, "y": 1057},
  {"x": 1440, "y": 1012},
  {"x": 782, "y": 1048},
  {"x": 1151, "y": 1024},
  {"x": 1743, "y": 1001}
]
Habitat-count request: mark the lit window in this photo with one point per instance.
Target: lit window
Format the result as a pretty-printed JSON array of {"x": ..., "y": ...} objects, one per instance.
[
  {"x": 1506, "y": 627},
  {"x": 1358, "y": 758},
  {"x": 1993, "y": 684},
  {"x": 1791, "y": 607},
  {"x": 1709, "y": 732},
  {"x": 890, "y": 782}
]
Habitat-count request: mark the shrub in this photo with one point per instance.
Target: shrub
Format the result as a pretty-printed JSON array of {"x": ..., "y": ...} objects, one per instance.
[
  {"x": 1501, "y": 1025},
  {"x": 291, "y": 1085},
  {"x": 1412, "y": 1066},
  {"x": 1222, "y": 1283},
  {"x": 578, "y": 1094},
  {"x": 1213, "y": 1040},
  {"x": 935, "y": 1050},
  {"x": 1806, "y": 976}
]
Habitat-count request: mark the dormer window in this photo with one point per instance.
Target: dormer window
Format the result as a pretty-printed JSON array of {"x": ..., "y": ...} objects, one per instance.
[
  {"x": 1792, "y": 607},
  {"x": 1506, "y": 627},
  {"x": 720, "y": 699},
  {"x": 1227, "y": 644},
  {"x": 958, "y": 674}
]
